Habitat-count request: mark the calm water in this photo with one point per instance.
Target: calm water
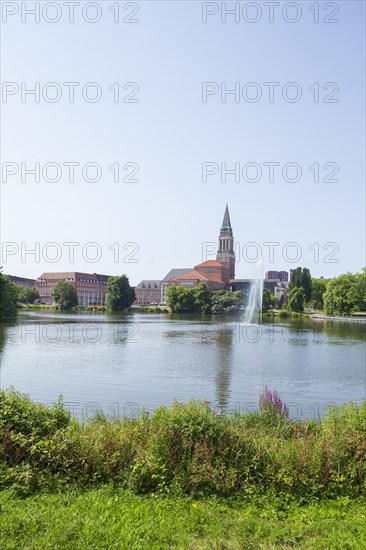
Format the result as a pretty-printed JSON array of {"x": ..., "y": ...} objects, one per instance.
[{"x": 123, "y": 363}]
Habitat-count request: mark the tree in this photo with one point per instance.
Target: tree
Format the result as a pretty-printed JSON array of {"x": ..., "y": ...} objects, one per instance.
[
  {"x": 357, "y": 292},
  {"x": 64, "y": 295},
  {"x": 181, "y": 299},
  {"x": 296, "y": 299},
  {"x": 295, "y": 280},
  {"x": 346, "y": 294},
  {"x": 27, "y": 295},
  {"x": 318, "y": 288},
  {"x": 120, "y": 295},
  {"x": 202, "y": 299},
  {"x": 227, "y": 302},
  {"x": 305, "y": 283},
  {"x": 301, "y": 278},
  {"x": 269, "y": 300},
  {"x": 8, "y": 297}
]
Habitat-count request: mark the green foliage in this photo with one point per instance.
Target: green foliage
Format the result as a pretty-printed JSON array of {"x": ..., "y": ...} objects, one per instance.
[
  {"x": 318, "y": 288},
  {"x": 20, "y": 415},
  {"x": 227, "y": 302},
  {"x": 296, "y": 299},
  {"x": 201, "y": 300},
  {"x": 306, "y": 283},
  {"x": 269, "y": 301},
  {"x": 64, "y": 295},
  {"x": 345, "y": 294},
  {"x": 27, "y": 295},
  {"x": 187, "y": 448},
  {"x": 301, "y": 278},
  {"x": 180, "y": 299},
  {"x": 8, "y": 297},
  {"x": 120, "y": 295}
]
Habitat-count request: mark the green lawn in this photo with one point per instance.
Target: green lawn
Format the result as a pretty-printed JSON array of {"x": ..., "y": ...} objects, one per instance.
[{"x": 104, "y": 518}]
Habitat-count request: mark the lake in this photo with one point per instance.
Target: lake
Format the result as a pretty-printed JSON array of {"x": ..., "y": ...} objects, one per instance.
[{"x": 122, "y": 363}]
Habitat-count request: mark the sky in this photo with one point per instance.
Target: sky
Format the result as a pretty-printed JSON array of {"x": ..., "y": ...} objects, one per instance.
[{"x": 164, "y": 120}]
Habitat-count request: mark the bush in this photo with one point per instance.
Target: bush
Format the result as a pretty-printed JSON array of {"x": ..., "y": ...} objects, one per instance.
[{"x": 187, "y": 448}]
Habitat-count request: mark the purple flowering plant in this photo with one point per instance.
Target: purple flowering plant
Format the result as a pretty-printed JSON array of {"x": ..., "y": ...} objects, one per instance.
[{"x": 271, "y": 401}]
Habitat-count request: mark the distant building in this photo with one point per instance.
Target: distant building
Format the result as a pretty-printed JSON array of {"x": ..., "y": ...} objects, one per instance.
[
  {"x": 277, "y": 275},
  {"x": 148, "y": 293},
  {"x": 215, "y": 275},
  {"x": 22, "y": 281},
  {"x": 91, "y": 288},
  {"x": 173, "y": 273}
]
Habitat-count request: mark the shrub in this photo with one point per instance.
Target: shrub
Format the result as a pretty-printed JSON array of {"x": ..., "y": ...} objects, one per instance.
[{"x": 186, "y": 448}]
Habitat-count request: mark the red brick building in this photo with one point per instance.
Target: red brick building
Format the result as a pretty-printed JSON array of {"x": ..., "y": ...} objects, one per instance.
[
  {"x": 148, "y": 292},
  {"x": 91, "y": 288},
  {"x": 215, "y": 275}
]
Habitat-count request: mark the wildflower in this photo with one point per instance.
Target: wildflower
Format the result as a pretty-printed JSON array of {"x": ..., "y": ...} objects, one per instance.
[{"x": 271, "y": 400}]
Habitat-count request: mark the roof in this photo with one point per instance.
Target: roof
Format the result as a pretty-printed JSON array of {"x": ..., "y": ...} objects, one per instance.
[
  {"x": 210, "y": 263},
  {"x": 198, "y": 275},
  {"x": 176, "y": 272},
  {"x": 70, "y": 275},
  {"x": 226, "y": 224},
  {"x": 149, "y": 283},
  {"x": 193, "y": 275}
]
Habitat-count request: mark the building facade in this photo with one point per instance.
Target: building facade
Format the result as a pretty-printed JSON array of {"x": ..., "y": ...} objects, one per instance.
[
  {"x": 277, "y": 275},
  {"x": 148, "y": 292},
  {"x": 91, "y": 288}
]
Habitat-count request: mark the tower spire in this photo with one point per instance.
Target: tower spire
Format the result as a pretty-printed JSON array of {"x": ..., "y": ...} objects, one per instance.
[
  {"x": 226, "y": 253},
  {"x": 226, "y": 224}
]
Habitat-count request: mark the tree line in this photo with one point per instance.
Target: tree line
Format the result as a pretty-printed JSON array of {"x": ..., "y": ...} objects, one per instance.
[
  {"x": 339, "y": 296},
  {"x": 200, "y": 299},
  {"x": 342, "y": 295}
]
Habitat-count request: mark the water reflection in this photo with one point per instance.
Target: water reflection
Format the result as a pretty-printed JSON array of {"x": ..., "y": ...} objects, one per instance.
[
  {"x": 6, "y": 327},
  {"x": 152, "y": 359}
]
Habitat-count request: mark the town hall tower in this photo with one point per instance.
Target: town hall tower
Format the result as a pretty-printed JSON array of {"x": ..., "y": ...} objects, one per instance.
[{"x": 226, "y": 252}]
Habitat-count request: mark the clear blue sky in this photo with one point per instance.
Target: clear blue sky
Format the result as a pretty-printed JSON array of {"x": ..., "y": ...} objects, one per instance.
[{"x": 170, "y": 132}]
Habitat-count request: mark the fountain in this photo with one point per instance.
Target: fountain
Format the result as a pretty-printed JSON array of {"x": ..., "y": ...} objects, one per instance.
[{"x": 253, "y": 310}]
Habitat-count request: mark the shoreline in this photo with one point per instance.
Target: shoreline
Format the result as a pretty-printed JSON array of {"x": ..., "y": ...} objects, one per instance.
[{"x": 321, "y": 317}]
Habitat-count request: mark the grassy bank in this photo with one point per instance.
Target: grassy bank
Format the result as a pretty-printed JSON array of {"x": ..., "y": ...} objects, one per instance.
[
  {"x": 187, "y": 449},
  {"x": 182, "y": 477},
  {"x": 107, "y": 518}
]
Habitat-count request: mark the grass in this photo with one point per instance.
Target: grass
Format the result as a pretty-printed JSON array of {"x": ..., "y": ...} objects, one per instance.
[{"x": 107, "y": 518}]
